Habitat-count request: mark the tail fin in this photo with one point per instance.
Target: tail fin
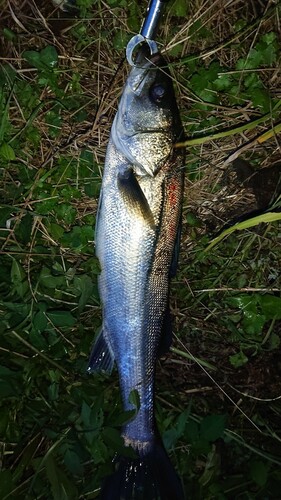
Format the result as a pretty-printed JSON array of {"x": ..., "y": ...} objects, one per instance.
[{"x": 149, "y": 477}]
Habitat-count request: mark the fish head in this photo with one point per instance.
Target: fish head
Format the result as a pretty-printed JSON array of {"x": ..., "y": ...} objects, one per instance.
[{"x": 147, "y": 122}]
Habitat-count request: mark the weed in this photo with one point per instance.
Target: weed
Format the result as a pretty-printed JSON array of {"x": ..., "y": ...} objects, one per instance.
[{"x": 219, "y": 412}]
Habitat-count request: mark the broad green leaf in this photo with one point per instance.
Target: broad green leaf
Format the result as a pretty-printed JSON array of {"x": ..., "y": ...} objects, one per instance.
[
  {"x": 261, "y": 99},
  {"x": 9, "y": 34},
  {"x": 212, "y": 427},
  {"x": 48, "y": 280},
  {"x": 182, "y": 421},
  {"x": 120, "y": 39},
  {"x": 56, "y": 231},
  {"x": 113, "y": 439},
  {"x": 7, "y": 389},
  {"x": 223, "y": 82},
  {"x": 4, "y": 116},
  {"x": 253, "y": 323},
  {"x": 53, "y": 391},
  {"x": 24, "y": 228},
  {"x": 37, "y": 340},
  {"x": 49, "y": 56},
  {"x": 269, "y": 38},
  {"x": 33, "y": 58},
  {"x": 192, "y": 220},
  {"x": 180, "y": 8},
  {"x": 7, "y": 152},
  {"x": 134, "y": 16},
  {"x": 212, "y": 467},
  {"x": 271, "y": 306},
  {"x": 244, "y": 302},
  {"x": 85, "y": 285},
  {"x": 66, "y": 213},
  {"x": 123, "y": 418},
  {"x": 5, "y": 214},
  {"x": 18, "y": 308},
  {"x": 62, "y": 487},
  {"x": 199, "y": 31},
  {"x": 134, "y": 399},
  {"x": 192, "y": 431},
  {"x": 10, "y": 382},
  {"x": 170, "y": 438},
  {"x": 85, "y": 414},
  {"x": 73, "y": 462},
  {"x": 61, "y": 318},
  {"x": 78, "y": 238},
  {"x": 17, "y": 272},
  {"x": 85, "y": 166},
  {"x": 268, "y": 47},
  {"x": 252, "y": 81},
  {"x": 6, "y": 483},
  {"x": 99, "y": 451},
  {"x": 259, "y": 472},
  {"x": 68, "y": 193},
  {"x": 8, "y": 75},
  {"x": 238, "y": 359},
  {"x": 92, "y": 189},
  {"x": 40, "y": 321}
]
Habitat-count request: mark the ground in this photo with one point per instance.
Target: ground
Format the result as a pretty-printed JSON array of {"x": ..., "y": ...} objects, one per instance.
[{"x": 218, "y": 389}]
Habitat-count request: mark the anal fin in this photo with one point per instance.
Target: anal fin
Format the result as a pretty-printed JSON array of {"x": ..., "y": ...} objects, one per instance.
[{"x": 101, "y": 357}]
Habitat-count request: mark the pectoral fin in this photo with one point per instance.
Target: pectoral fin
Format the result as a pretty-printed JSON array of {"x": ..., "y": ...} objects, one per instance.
[{"x": 134, "y": 197}]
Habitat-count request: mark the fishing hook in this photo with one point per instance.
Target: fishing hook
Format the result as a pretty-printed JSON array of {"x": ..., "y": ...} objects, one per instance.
[{"x": 148, "y": 30}]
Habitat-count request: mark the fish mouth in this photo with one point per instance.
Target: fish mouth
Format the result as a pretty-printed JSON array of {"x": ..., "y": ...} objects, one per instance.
[
  {"x": 143, "y": 56},
  {"x": 143, "y": 71}
]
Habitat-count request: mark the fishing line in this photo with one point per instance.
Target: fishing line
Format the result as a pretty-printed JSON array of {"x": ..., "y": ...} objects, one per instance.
[
  {"x": 268, "y": 400},
  {"x": 217, "y": 384}
]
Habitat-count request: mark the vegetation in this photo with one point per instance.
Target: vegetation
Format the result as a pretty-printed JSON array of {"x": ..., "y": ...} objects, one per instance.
[{"x": 218, "y": 390}]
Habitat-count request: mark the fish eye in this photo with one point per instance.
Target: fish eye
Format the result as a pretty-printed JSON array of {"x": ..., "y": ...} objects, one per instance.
[{"x": 158, "y": 93}]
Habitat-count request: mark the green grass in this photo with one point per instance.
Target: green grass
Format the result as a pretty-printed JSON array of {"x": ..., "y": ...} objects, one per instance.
[{"x": 217, "y": 403}]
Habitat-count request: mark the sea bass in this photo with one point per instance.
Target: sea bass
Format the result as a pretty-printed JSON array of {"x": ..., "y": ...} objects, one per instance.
[{"x": 137, "y": 239}]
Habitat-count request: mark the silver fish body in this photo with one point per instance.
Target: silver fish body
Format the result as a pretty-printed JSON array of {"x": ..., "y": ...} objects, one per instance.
[{"x": 136, "y": 244}]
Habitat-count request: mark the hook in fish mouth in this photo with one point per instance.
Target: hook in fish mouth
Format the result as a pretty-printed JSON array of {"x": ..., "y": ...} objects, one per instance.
[{"x": 134, "y": 43}]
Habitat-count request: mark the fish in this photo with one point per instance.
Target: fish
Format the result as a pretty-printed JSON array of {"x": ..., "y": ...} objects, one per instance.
[{"x": 137, "y": 244}]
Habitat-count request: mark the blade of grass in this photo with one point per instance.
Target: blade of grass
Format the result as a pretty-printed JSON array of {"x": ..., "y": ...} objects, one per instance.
[
  {"x": 268, "y": 134},
  {"x": 245, "y": 127},
  {"x": 246, "y": 224},
  {"x": 201, "y": 362}
]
